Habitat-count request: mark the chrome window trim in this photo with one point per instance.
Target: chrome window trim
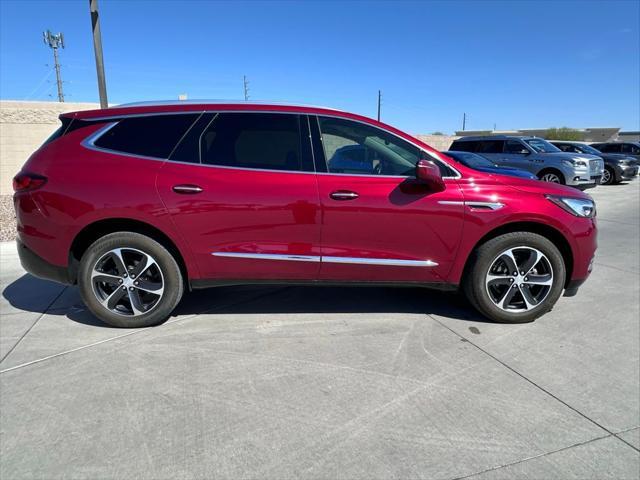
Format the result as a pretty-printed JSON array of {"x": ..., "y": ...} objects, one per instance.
[
  {"x": 328, "y": 259},
  {"x": 88, "y": 142},
  {"x": 141, "y": 115}
]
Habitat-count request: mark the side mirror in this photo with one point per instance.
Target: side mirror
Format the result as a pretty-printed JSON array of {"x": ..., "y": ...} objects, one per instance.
[{"x": 429, "y": 173}]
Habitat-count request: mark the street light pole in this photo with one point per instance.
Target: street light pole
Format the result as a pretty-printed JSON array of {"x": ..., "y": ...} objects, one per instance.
[{"x": 97, "y": 47}]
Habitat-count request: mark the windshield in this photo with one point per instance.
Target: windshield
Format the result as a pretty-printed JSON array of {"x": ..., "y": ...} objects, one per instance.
[
  {"x": 588, "y": 149},
  {"x": 541, "y": 146},
  {"x": 471, "y": 160}
]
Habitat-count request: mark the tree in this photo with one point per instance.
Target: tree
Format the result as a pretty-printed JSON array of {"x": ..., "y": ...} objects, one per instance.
[
  {"x": 437, "y": 132},
  {"x": 563, "y": 133}
]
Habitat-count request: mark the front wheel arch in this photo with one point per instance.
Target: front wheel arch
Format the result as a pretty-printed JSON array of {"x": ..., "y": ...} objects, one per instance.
[
  {"x": 554, "y": 235},
  {"x": 554, "y": 171}
]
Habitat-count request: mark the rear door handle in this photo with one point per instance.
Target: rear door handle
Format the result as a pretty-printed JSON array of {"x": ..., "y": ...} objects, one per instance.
[
  {"x": 187, "y": 189},
  {"x": 343, "y": 195}
]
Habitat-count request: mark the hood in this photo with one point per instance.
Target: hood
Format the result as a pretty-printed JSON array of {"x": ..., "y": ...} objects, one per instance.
[
  {"x": 542, "y": 188},
  {"x": 514, "y": 172},
  {"x": 572, "y": 155},
  {"x": 614, "y": 157}
]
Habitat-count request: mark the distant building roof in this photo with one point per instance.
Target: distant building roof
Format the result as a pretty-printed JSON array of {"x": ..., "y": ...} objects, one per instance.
[{"x": 594, "y": 134}]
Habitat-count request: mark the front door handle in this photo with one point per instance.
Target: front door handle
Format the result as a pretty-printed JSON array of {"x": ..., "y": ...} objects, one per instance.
[
  {"x": 187, "y": 189},
  {"x": 343, "y": 195}
]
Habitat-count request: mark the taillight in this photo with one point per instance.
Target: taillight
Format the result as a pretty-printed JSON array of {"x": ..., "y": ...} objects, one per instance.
[{"x": 25, "y": 181}]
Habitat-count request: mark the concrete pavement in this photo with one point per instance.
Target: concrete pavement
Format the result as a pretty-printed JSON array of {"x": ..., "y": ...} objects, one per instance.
[{"x": 296, "y": 382}]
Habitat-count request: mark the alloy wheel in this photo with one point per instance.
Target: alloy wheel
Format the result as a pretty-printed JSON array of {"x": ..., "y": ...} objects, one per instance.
[
  {"x": 127, "y": 281},
  {"x": 551, "y": 178},
  {"x": 519, "y": 279},
  {"x": 606, "y": 176}
]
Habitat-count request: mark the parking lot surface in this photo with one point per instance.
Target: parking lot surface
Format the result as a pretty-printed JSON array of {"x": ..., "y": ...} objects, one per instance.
[{"x": 310, "y": 382}]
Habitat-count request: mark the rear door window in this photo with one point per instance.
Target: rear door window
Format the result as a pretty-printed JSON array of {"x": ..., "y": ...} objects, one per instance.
[
  {"x": 268, "y": 141},
  {"x": 149, "y": 136}
]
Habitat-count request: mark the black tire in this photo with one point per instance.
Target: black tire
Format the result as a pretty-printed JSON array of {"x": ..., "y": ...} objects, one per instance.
[
  {"x": 474, "y": 283},
  {"x": 612, "y": 177},
  {"x": 173, "y": 283},
  {"x": 551, "y": 171}
]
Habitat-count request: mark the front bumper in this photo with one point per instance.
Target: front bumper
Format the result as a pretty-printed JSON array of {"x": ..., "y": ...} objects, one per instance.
[
  {"x": 38, "y": 267},
  {"x": 626, "y": 173}
]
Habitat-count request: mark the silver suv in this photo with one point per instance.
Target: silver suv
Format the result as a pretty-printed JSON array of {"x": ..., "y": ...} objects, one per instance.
[{"x": 537, "y": 156}]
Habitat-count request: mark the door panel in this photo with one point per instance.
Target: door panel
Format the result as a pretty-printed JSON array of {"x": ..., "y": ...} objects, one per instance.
[
  {"x": 245, "y": 212},
  {"x": 512, "y": 156},
  {"x": 394, "y": 230}
]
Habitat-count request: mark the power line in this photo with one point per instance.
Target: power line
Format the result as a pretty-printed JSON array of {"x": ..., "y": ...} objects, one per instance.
[
  {"x": 55, "y": 42},
  {"x": 46, "y": 76}
]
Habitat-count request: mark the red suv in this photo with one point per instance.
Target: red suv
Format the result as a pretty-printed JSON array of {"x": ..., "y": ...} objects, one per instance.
[{"x": 139, "y": 202}]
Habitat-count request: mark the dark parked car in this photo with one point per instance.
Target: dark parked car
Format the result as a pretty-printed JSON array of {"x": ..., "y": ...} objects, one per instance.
[
  {"x": 482, "y": 164},
  {"x": 138, "y": 203},
  {"x": 617, "y": 166},
  {"x": 627, "y": 148}
]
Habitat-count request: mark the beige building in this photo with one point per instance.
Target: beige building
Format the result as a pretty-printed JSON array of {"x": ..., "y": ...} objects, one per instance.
[
  {"x": 597, "y": 134},
  {"x": 24, "y": 126}
]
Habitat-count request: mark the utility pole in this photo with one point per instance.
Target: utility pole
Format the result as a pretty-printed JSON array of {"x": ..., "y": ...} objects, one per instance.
[
  {"x": 246, "y": 87},
  {"x": 97, "y": 48},
  {"x": 379, "y": 103},
  {"x": 464, "y": 121},
  {"x": 55, "y": 42}
]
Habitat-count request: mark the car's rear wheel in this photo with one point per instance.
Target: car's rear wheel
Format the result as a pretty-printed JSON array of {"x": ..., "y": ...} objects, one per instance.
[
  {"x": 129, "y": 280},
  {"x": 552, "y": 176},
  {"x": 515, "y": 278}
]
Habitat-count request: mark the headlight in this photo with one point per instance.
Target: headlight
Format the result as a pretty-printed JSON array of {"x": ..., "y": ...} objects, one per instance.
[
  {"x": 624, "y": 163},
  {"x": 575, "y": 163},
  {"x": 580, "y": 207}
]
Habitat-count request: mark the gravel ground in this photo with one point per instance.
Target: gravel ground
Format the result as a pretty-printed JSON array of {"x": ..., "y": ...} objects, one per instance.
[{"x": 7, "y": 219}]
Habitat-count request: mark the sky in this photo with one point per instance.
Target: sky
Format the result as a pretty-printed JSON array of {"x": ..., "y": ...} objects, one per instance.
[{"x": 508, "y": 64}]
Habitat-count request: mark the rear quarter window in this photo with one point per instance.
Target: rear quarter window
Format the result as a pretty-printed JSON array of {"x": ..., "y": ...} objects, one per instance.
[{"x": 150, "y": 136}]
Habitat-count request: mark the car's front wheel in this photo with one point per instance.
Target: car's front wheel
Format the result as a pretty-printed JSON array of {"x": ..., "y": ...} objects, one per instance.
[
  {"x": 515, "y": 278},
  {"x": 608, "y": 176},
  {"x": 129, "y": 280},
  {"x": 552, "y": 176}
]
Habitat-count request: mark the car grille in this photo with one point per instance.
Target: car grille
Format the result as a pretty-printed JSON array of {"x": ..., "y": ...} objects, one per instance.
[{"x": 596, "y": 167}]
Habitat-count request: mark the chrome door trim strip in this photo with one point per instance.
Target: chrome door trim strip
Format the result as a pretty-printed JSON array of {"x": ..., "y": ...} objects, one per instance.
[
  {"x": 472, "y": 204},
  {"x": 489, "y": 205},
  {"x": 268, "y": 256},
  {"x": 389, "y": 262}
]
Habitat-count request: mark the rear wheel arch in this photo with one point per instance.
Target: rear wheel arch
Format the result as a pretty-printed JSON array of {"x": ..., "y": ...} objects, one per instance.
[
  {"x": 92, "y": 232},
  {"x": 551, "y": 233}
]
